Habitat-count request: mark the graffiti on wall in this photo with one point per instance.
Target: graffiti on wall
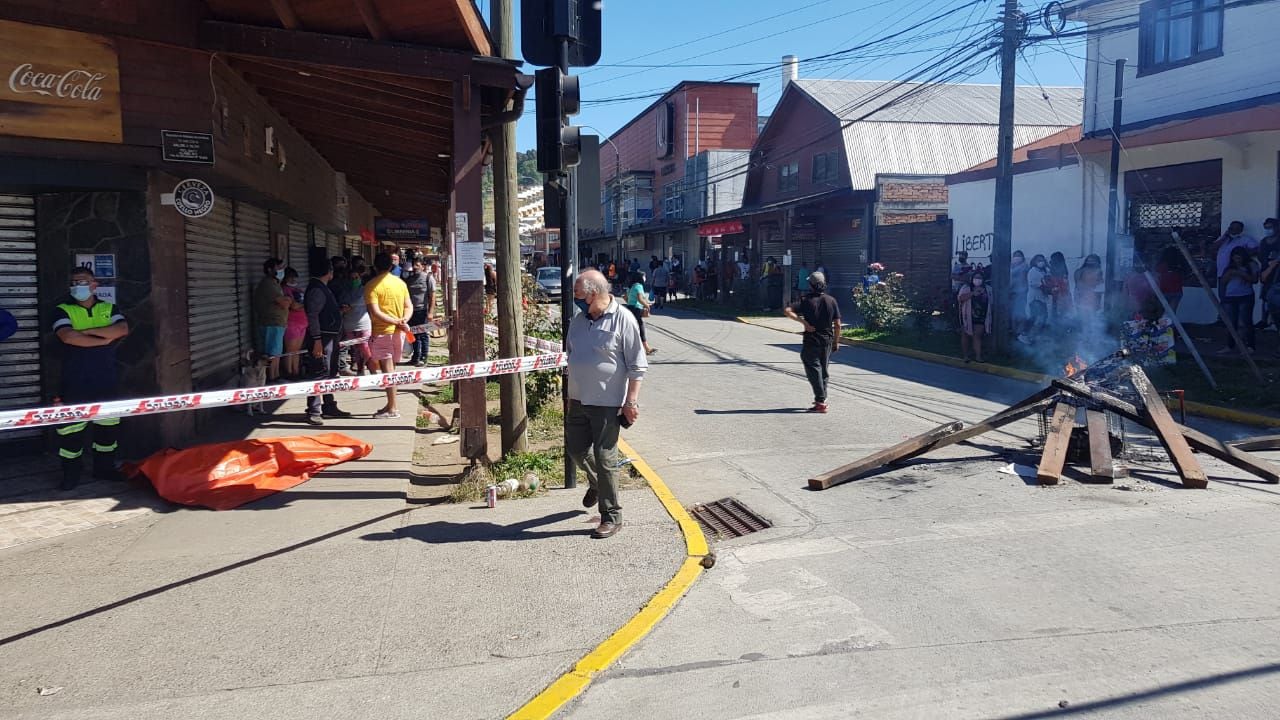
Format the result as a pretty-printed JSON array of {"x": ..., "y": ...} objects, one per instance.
[{"x": 975, "y": 245}]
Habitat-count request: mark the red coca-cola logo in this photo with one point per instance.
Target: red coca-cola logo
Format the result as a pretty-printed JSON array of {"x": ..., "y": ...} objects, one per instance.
[
  {"x": 177, "y": 402},
  {"x": 62, "y": 413},
  {"x": 258, "y": 394}
]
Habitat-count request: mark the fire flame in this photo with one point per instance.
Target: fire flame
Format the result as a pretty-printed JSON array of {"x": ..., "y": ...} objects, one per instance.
[{"x": 1075, "y": 366}]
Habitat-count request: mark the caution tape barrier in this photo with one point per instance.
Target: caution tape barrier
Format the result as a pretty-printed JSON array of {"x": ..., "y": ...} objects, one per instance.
[
  {"x": 550, "y": 346},
  {"x": 416, "y": 329},
  {"x": 65, "y": 414}
]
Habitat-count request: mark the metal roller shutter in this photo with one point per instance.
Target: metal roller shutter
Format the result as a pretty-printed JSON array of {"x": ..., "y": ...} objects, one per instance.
[
  {"x": 333, "y": 243},
  {"x": 20, "y": 354},
  {"x": 845, "y": 258},
  {"x": 253, "y": 247},
  {"x": 299, "y": 246},
  {"x": 213, "y": 313}
]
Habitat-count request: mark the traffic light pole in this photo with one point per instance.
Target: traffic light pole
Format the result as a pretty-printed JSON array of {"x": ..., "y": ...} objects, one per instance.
[{"x": 568, "y": 273}]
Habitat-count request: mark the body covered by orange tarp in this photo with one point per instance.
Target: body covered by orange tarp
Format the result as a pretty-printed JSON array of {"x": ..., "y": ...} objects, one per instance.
[{"x": 228, "y": 475}]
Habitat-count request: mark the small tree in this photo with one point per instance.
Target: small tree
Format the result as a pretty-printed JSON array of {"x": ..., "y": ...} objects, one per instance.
[{"x": 882, "y": 302}]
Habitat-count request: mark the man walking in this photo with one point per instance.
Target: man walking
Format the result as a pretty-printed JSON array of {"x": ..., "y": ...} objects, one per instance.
[
  {"x": 271, "y": 313},
  {"x": 88, "y": 329},
  {"x": 820, "y": 315},
  {"x": 606, "y": 365},
  {"x": 324, "y": 326},
  {"x": 387, "y": 299}
]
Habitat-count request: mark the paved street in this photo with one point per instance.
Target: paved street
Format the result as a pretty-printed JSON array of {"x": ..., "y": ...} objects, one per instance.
[{"x": 944, "y": 589}]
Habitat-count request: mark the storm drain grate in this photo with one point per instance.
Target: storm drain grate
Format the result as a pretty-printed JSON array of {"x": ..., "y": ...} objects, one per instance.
[{"x": 728, "y": 518}]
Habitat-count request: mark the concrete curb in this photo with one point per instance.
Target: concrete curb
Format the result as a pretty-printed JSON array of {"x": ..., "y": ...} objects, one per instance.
[
  {"x": 572, "y": 683},
  {"x": 1195, "y": 408}
]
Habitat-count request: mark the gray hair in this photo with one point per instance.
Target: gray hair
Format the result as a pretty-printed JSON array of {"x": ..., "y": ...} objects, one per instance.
[
  {"x": 817, "y": 281},
  {"x": 594, "y": 283}
]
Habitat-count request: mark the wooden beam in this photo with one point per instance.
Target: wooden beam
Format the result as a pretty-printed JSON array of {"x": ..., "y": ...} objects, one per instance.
[
  {"x": 284, "y": 11},
  {"x": 1056, "y": 443},
  {"x": 1213, "y": 298},
  {"x": 1101, "y": 464},
  {"x": 338, "y": 51},
  {"x": 361, "y": 98},
  {"x": 907, "y": 448},
  {"x": 1262, "y": 442},
  {"x": 1168, "y": 432},
  {"x": 311, "y": 107},
  {"x": 372, "y": 21},
  {"x": 427, "y": 92},
  {"x": 1206, "y": 444},
  {"x": 467, "y": 333},
  {"x": 1173, "y": 317}
]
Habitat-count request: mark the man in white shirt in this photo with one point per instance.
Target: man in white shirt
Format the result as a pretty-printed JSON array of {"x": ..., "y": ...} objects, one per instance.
[{"x": 1232, "y": 239}]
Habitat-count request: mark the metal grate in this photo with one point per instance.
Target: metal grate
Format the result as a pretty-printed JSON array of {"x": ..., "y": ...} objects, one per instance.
[{"x": 728, "y": 518}]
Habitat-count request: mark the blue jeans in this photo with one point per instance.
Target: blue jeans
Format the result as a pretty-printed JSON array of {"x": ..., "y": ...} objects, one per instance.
[{"x": 1240, "y": 314}]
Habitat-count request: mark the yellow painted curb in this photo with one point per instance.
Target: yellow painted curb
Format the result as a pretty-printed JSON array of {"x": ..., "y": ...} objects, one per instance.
[
  {"x": 1195, "y": 408},
  {"x": 569, "y": 685}
]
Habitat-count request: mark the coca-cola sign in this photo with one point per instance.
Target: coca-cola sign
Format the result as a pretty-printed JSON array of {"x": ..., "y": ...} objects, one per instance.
[
  {"x": 73, "y": 84},
  {"x": 58, "y": 84}
]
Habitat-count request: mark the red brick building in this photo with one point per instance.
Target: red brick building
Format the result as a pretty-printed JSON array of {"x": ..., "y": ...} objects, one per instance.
[{"x": 654, "y": 169}]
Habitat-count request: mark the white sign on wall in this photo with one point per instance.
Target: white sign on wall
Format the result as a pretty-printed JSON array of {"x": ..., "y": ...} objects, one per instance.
[{"x": 470, "y": 257}]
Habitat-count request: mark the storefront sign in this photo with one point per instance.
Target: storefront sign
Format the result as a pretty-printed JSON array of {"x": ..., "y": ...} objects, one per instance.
[
  {"x": 729, "y": 227},
  {"x": 402, "y": 230},
  {"x": 186, "y": 147},
  {"x": 193, "y": 198},
  {"x": 58, "y": 84}
]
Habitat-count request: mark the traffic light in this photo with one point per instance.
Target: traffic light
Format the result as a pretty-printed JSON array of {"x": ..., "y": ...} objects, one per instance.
[{"x": 559, "y": 144}]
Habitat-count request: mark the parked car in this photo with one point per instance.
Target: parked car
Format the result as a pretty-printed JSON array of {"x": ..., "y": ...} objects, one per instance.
[{"x": 548, "y": 279}]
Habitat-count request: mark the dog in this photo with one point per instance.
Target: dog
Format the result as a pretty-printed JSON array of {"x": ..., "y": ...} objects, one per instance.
[{"x": 253, "y": 373}]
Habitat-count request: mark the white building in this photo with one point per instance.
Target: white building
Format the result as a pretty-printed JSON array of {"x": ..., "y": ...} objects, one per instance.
[{"x": 1199, "y": 130}]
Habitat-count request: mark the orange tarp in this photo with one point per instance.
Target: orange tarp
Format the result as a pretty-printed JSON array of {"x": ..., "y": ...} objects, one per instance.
[{"x": 227, "y": 475}]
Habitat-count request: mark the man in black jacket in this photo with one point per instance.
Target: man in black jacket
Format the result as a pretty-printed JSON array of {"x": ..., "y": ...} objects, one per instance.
[
  {"x": 324, "y": 326},
  {"x": 820, "y": 315}
]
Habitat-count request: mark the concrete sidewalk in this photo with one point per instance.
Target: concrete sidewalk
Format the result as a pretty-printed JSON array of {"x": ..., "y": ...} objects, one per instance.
[{"x": 333, "y": 600}]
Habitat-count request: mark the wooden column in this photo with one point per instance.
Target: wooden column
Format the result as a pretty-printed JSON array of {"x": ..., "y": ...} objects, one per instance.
[{"x": 465, "y": 204}]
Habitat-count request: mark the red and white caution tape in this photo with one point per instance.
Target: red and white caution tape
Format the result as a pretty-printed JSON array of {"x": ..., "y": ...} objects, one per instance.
[
  {"x": 534, "y": 343},
  {"x": 64, "y": 414},
  {"x": 416, "y": 329}
]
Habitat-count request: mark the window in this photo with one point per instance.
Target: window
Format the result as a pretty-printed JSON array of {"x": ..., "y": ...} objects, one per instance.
[
  {"x": 1173, "y": 33},
  {"x": 789, "y": 177},
  {"x": 826, "y": 167}
]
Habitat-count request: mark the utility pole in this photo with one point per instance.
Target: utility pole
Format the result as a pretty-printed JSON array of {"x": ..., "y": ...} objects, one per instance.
[
  {"x": 514, "y": 420},
  {"x": 1113, "y": 183},
  {"x": 1002, "y": 242}
]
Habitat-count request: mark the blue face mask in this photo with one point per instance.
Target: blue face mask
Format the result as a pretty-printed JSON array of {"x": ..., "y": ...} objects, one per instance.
[
  {"x": 582, "y": 304},
  {"x": 279, "y": 274},
  {"x": 81, "y": 292}
]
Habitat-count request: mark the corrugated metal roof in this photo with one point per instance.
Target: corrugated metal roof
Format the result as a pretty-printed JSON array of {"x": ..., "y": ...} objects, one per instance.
[
  {"x": 945, "y": 103},
  {"x": 924, "y": 148},
  {"x": 943, "y": 129}
]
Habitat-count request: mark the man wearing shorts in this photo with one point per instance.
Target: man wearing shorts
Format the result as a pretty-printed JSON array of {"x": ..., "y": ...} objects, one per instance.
[
  {"x": 271, "y": 312},
  {"x": 387, "y": 299}
]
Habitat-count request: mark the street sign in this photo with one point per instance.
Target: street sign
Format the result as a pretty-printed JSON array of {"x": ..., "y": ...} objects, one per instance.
[{"x": 544, "y": 23}]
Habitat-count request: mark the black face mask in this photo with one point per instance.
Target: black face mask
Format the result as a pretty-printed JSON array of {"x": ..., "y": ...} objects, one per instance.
[{"x": 582, "y": 304}]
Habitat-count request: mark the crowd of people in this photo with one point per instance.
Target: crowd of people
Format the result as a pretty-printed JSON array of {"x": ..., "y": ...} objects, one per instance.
[
  {"x": 299, "y": 325},
  {"x": 1046, "y": 299}
]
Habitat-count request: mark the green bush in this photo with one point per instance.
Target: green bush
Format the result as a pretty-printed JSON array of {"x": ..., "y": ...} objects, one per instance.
[{"x": 884, "y": 306}]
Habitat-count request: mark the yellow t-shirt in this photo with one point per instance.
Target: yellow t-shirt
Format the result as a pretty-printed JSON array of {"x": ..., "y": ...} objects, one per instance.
[{"x": 389, "y": 294}]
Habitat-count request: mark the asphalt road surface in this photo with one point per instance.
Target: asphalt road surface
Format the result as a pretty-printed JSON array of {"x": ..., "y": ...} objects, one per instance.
[{"x": 943, "y": 589}]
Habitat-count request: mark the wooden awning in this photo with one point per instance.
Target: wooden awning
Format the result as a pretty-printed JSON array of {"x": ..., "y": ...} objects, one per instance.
[{"x": 369, "y": 83}]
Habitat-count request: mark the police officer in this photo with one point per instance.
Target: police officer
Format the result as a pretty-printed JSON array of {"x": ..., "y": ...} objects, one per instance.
[{"x": 89, "y": 330}]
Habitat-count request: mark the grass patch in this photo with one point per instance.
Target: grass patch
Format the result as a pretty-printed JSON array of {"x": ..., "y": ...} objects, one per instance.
[
  {"x": 548, "y": 465},
  {"x": 548, "y": 424}
]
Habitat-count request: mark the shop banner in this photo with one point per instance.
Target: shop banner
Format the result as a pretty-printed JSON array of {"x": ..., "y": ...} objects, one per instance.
[
  {"x": 58, "y": 84},
  {"x": 412, "y": 231}
]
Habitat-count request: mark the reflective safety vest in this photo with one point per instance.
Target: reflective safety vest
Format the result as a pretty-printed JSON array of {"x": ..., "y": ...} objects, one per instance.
[{"x": 82, "y": 318}]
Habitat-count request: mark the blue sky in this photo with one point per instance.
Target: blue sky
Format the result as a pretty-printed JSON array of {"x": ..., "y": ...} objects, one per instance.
[{"x": 643, "y": 33}]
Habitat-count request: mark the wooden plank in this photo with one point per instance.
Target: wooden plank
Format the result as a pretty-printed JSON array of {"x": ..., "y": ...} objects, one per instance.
[
  {"x": 1055, "y": 445},
  {"x": 1173, "y": 317},
  {"x": 1213, "y": 298},
  {"x": 1206, "y": 444},
  {"x": 906, "y": 448},
  {"x": 1101, "y": 464},
  {"x": 1262, "y": 442},
  {"x": 1169, "y": 432}
]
